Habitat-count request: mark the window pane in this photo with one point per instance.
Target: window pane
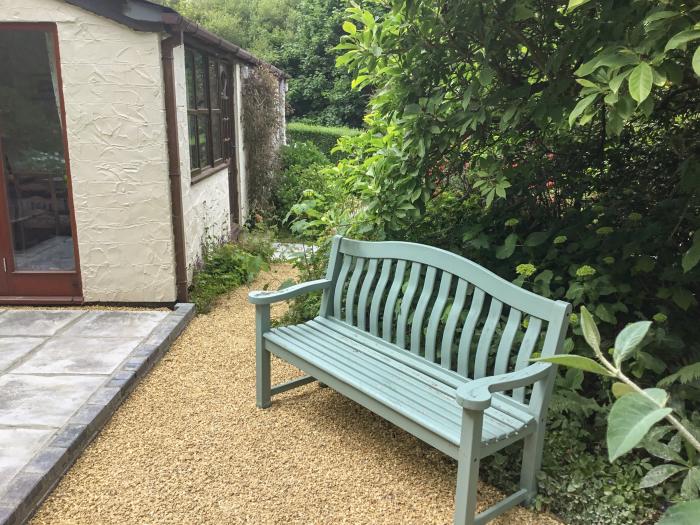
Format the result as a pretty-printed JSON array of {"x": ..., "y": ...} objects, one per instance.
[
  {"x": 216, "y": 134},
  {"x": 203, "y": 135},
  {"x": 189, "y": 73},
  {"x": 33, "y": 163},
  {"x": 194, "y": 152},
  {"x": 213, "y": 87},
  {"x": 200, "y": 70}
]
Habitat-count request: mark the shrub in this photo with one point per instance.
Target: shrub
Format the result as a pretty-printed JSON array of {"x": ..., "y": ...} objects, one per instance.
[
  {"x": 302, "y": 169},
  {"x": 259, "y": 240},
  {"x": 224, "y": 267},
  {"x": 324, "y": 137}
]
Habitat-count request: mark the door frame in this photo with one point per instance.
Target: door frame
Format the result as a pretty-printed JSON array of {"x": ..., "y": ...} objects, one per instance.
[{"x": 42, "y": 287}]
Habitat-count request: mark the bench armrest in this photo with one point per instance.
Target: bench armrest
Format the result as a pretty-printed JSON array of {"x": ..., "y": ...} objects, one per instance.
[
  {"x": 476, "y": 395},
  {"x": 269, "y": 297}
]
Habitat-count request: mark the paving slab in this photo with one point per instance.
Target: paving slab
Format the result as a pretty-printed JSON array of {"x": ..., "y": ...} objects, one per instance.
[
  {"x": 116, "y": 324},
  {"x": 63, "y": 373},
  {"x": 14, "y": 348},
  {"x": 17, "y": 447},
  {"x": 29, "y": 400},
  {"x": 36, "y": 322},
  {"x": 78, "y": 355}
]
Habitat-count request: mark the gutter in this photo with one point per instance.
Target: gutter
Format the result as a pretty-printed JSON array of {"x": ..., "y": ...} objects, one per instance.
[{"x": 178, "y": 217}]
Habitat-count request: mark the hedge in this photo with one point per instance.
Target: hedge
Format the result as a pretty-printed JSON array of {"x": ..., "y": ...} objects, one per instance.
[{"x": 323, "y": 137}]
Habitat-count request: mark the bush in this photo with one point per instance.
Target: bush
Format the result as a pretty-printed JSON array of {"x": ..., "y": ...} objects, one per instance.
[
  {"x": 259, "y": 240},
  {"x": 224, "y": 267},
  {"x": 302, "y": 164},
  {"x": 325, "y": 138}
]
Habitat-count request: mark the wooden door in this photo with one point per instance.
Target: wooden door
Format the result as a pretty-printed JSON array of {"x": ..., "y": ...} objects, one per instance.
[{"x": 38, "y": 250}]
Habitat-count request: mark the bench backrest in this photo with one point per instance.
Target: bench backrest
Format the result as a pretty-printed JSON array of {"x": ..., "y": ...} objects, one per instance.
[{"x": 441, "y": 307}]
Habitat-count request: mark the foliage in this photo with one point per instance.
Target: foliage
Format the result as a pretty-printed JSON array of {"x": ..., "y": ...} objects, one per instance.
[
  {"x": 633, "y": 418},
  {"x": 224, "y": 267},
  {"x": 298, "y": 36},
  {"x": 259, "y": 241},
  {"x": 302, "y": 170},
  {"x": 262, "y": 132},
  {"x": 323, "y": 137}
]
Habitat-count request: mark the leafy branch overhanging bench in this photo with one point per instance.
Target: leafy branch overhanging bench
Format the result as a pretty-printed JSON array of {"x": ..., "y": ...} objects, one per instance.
[{"x": 432, "y": 342}]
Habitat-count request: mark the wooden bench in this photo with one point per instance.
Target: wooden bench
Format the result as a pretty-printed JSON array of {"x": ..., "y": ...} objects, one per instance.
[{"x": 432, "y": 342}]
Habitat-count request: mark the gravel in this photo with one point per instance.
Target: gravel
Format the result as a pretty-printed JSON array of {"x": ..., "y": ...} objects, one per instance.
[{"x": 189, "y": 446}]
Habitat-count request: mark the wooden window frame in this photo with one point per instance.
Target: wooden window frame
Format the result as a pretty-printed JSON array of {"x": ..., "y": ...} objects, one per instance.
[{"x": 203, "y": 170}]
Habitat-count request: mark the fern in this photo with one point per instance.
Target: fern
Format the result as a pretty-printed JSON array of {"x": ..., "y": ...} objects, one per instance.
[{"x": 687, "y": 374}]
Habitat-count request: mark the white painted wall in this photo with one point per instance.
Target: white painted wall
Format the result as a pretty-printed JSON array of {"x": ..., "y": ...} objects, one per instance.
[
  {"x": 206, "y": 203},
  {"x": 115, "y": 120}
]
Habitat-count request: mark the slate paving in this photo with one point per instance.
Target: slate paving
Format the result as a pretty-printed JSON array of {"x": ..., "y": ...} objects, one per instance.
[{"x": 62, "y": 375}]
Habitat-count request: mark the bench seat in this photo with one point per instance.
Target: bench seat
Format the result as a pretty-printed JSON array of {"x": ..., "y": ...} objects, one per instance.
[{"x": 401, "y": 381}]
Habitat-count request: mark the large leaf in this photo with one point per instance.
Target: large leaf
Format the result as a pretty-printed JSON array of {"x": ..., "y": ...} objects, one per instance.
[
  {"x": 536, "y": 238},
  {"x": 590, "y": 330},
  {"x": 685, "y": 513},
  {"x": 581, "y": 107},
  {"x": 682, "y": 38},
  {"x": 573, "y": 4},
  {"x": 508, "y": 247},
  {"x": 659, "y": 475},
  {"x": 630, "y": 419},
  {"x": 696, "y": 61},
  {"x": 692, "y": 257},
  {"x": 577, "y": 361},
  {"x": 640, "y": 81},
  {"x": 628, "y": 340}
]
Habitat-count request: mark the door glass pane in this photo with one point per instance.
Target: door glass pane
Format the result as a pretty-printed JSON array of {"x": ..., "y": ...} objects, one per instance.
[
  {"x": 213, "y": 81},
  {"x": 203, "y": 128},
  {"x": 189, "y": 75},
  {"x": 32, "y": 156}
]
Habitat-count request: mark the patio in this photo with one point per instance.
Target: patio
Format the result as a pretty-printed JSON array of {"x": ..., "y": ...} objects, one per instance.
[{"x": 62, "y": 374}]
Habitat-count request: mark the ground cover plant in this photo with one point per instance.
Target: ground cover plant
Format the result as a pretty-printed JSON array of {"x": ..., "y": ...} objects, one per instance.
[{"x": 325, "y": 138}]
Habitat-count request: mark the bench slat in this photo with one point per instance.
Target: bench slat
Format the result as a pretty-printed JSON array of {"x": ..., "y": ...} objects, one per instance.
[
  {"x": 487, "y": 333},
  {"x": 340, "y": 285},
  {"x": 419, "y": 313},
  {"x": 352, "y": 290},
  {"x": 431, "y": 334},
  {"x": 406, "y": 303},
  {"x": 465, "y": 341},
  {"x": 532, "y": 334},
  {"x": 506, "y": 343},
  {"x": 378, "y": 296},
  {"x": 451, "y": 324},
  {"x": 364, "y": 294},
  {"x": 391, "y": 299}
]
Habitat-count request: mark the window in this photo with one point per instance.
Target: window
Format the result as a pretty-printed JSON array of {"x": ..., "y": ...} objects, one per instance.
[{"x": 207, "y": 94}]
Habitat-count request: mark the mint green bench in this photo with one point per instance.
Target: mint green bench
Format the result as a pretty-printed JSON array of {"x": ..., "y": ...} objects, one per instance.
[{"x": 432, "y": 342}]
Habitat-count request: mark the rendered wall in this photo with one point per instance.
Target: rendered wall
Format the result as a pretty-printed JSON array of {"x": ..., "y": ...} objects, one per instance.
[
  {"x": 206, "y": 203},
  {"x": 115, "y": 121}
]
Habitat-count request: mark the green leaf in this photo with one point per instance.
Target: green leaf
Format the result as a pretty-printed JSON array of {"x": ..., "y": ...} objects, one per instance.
[
  {"x": 685, "y": 513},
  {"x": 581, "y": 107},
  {"x": 505, "y": 251},
  {"x": 628, "y": 340},
  {"x": 640, "y": 81},
  {"x": 617, "y": 81},
  {"x": 696, "y": 61},
  {"x": 590, "y": 330},
  {"x": 620, "y": 389},
  {"x": 659, "y": 15},
  {"x": 577, "y": 361},
  {"x": 631, "y": 417},
  {"x": 682, "y": 38},
  {"x": 692, "y": 257},
  {"x": 349, "y": 27},
  {"x": 574, "y": 4},
  {"x": 659, "y": 475},
  {"x": 536, "y": 238},
  {"x": 683, "y": 297}
]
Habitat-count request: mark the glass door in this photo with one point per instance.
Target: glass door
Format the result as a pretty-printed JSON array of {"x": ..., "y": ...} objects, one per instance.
[{"x": 39, "y": 257}]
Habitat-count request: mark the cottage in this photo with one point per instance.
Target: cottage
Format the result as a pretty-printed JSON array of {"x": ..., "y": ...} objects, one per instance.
[{"x": 121, "y": 149}]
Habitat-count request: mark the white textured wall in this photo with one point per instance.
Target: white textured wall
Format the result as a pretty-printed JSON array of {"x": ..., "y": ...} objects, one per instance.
[
  {"x": 115, "y": 120},
  {"x": 206, "y": 203}
]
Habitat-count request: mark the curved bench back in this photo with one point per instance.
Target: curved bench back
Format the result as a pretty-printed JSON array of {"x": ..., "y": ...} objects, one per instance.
[{"x": 441, "y": 307}]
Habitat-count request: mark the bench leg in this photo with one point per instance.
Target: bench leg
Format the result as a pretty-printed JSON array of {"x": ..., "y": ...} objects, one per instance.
[
  {"x": 468, "y": 468},
  {"x": 262, "y": 357},
  {"x": 532, "y": 461}
]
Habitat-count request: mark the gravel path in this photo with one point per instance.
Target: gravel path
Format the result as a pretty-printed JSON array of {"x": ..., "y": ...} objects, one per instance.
[{"x": 189, "y": 446}]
